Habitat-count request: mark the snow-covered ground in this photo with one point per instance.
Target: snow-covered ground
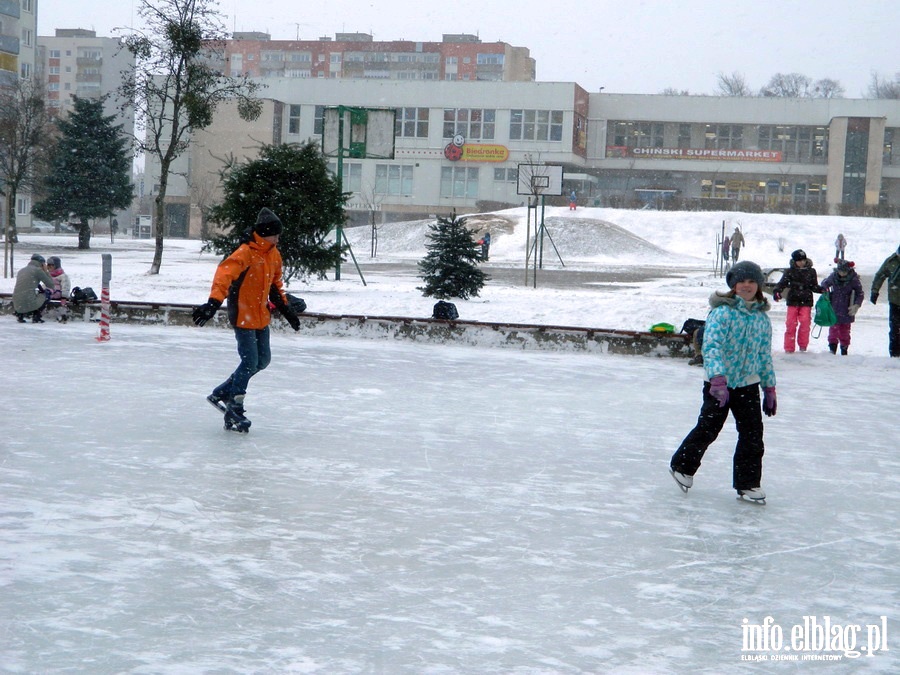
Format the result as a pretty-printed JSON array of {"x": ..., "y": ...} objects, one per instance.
[{"x": 410, "y": 508}]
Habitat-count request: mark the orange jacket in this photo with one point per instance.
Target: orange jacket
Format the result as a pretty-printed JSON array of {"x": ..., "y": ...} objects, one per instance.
[{"x": 245, "y": 279}]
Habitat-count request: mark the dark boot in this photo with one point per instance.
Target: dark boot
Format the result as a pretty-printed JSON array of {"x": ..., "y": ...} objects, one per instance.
[
  {"x": 20, "y": 318},
  {"x": 832, "y": 346},
  {"x": 844, "y": 351},
  {"x": 36, "y": 318}
]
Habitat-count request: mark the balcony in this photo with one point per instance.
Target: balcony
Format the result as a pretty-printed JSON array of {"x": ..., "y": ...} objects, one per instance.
[
  {"x": 10, "y": 8},
  {"x": 9, "y": 44}
]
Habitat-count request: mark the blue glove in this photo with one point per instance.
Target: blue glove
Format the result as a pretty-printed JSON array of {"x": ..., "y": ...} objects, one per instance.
[
  {"x": 718, "y": 389},
  {"x": 770, "y": 402}
]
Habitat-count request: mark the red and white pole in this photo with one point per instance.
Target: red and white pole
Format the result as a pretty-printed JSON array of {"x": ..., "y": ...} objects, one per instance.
[{"x": 104, "y": 298}]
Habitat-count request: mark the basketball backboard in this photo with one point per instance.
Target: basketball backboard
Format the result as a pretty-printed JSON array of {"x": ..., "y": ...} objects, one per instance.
[
  {"x": 540, "y": 180},
  {"x": 368, "y": 132}
]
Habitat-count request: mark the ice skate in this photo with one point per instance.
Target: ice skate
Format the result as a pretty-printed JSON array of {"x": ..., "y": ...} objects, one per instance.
[
  {"x": 234, "y": 416},
  {"x": 684, "y": 481},
  {"x": 218, "y": 402},
  {"x": 755, "y": 495}
]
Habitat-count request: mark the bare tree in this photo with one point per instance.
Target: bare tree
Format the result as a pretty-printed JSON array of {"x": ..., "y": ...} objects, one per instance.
[
  {"x": 176, "y": 84},
  {"x": 828, "y": 88},
  {"x": 732, "y": 85},
  {"x": 672, "y": 91},
  {"x": 25, "y": 137},
  {"x": 790, "y": 85},
  {"x": 882, "y": 87}
]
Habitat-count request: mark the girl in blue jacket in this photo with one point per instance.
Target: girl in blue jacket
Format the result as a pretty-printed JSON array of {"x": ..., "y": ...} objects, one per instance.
[{"x": 737, "y": 358}]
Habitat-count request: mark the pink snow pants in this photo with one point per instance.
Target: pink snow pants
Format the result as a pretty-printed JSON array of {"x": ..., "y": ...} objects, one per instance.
[
  {"x": 796, "y": 328},
  {"x": 839, "y": 333}
]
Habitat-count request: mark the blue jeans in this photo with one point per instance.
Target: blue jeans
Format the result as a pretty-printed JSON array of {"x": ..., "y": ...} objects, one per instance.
[{"x": 253, "y": 348}]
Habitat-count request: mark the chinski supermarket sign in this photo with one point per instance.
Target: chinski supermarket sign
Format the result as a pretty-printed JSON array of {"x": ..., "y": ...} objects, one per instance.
[{"x": 695, "y": 153}]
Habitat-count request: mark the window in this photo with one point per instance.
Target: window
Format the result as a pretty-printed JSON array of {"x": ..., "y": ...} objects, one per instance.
[
  {"x": 506, "y": 175},
  {"x": 319, "y": 121},
  {"x": 535, "y": 125},
  {"x": 684, "y": 135},
  {"x": 27, "y": 36},
  {"x": 458, "y": 181},
  {"x": 293, "y": 119},
  {"x": 352, "y": 178},
  {"x": 489, "y": 59},
  {"x": 393, "y": 179},
  {"x": 25, "y": 70},
  {"x": 635, "y": 134},
  {"x": 28, "y": 5},
  {"x": 411, "y": 123},
  {"x": 724, "y": 136},
  {"x": 473, "y": 123},
  {"x": 272, "y": 56},
  {"x": 797, "y": 144},
  {"x": 22, "y": 206},
  {"x": 54, "y": 53}
]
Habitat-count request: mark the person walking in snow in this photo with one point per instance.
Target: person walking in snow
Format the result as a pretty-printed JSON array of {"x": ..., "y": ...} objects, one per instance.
[
  {"x": 250, "y": 278},
  {"x": 737, "y": 360},
  {"x": 890, "y": 271},
  {"x": 840, "y": 245},
  {"x": 29, "y": 297},
  {"x": 847, "y": 295},
  {"x": 486, "y": 246},
  {"x": 799, "y": 283},
  {"x": 737, "y": 240},
  {"x": 726, "y": 248}
]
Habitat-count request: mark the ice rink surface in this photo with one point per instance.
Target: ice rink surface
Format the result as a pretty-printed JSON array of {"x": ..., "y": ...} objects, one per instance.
[{"x": 406, "y": 508}]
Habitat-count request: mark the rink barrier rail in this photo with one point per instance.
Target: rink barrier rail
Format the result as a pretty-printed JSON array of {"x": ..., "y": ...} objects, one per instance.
[{"x": 476, "y": 333}]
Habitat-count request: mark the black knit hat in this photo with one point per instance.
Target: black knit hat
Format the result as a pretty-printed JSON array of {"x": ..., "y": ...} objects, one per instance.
[
  {"x": 744, "y": 271},
  {"x": 38, "y": 257},
  {"x": 267, "y": 223},
  {"x": 798, "y": 255}
]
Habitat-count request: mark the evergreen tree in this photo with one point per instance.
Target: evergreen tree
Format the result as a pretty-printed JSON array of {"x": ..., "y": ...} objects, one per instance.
[
  {"x": 293, "y": 181},
  {"x": 90, "y": 169},
  {"x": 450, "y": 268}
]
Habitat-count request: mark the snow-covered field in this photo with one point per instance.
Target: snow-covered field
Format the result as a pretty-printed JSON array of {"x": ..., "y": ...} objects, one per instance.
[{"x": 409, "y": 508}]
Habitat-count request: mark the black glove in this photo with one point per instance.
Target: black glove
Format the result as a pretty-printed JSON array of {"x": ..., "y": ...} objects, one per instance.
[
  {"x": 873, "y": 297},
  {"x": 289, "y": 315},
  {"x": 206, "y": 311}
]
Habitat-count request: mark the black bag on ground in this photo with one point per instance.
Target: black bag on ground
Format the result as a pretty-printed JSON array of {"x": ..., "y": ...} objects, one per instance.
[
  {"x": 445, "y": 310},
  {"x": 79, "y": 296}
]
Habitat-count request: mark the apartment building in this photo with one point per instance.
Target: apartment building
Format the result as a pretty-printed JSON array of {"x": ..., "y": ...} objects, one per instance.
[
  {"x": 18, "y": 25},
  {"x": 460, "y": 57}
]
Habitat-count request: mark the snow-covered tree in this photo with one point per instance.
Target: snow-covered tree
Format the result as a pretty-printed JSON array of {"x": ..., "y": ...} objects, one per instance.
[
  {"x": 450, "y": 268},
  {"x": 177, "y": 83},
  {"x": 294, "y": 182},
  {"x": 90, "y": 169}
]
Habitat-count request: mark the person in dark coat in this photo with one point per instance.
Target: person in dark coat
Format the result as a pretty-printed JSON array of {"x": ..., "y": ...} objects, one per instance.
[
  {"x": 890, "y": 272},
  {"x": 847, "y": 297},
  {"x": 29, "y": 295},
  {"x": 797, "y": 286}
]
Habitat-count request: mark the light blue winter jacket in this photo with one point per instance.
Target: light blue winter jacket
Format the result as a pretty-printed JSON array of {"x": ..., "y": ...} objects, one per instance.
[{"x": 737, "y": 342}]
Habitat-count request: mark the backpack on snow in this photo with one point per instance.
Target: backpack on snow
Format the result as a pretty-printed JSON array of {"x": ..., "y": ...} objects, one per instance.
[{"x": 444, "y": 310}]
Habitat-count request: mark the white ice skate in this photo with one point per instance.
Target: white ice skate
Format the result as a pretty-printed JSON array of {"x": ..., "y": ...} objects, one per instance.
[
  {"x": 755, "y": 495},
  {"x": 684, "y": 481}
]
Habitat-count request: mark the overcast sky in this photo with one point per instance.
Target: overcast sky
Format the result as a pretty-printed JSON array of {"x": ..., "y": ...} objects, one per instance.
[{"x": 637, "y": 47}]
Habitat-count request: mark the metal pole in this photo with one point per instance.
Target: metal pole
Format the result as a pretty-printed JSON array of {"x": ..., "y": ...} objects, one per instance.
[{"x": 339, "y": 230}]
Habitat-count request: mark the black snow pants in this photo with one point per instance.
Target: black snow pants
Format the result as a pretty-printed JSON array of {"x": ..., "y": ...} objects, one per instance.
[{"x": 744, "y": 404}]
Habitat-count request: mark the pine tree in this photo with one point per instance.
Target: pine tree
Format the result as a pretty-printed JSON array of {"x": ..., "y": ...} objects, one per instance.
[
  {"x": 90, "y": 169},
  {"x": 293, "y": 181},
  {"x": 450, "y": 268}
]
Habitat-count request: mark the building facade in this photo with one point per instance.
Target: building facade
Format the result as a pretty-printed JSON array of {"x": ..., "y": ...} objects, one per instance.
[
  {"x": 460, "y": 57},
  {"x": 792, "y": 155},
  {"x": 18, "y": 25}
]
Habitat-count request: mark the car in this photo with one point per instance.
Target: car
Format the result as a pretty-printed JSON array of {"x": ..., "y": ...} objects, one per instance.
[{"x": 42, "y": 226}]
